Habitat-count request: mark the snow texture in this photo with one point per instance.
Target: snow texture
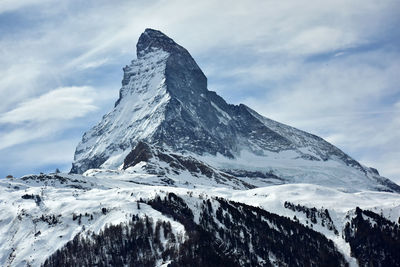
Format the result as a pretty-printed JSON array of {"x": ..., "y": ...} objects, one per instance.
[{"x": 29, "y": 233}]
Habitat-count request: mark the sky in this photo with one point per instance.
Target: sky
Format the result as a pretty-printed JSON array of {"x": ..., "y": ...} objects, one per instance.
[{"x": 331, "y": 68}]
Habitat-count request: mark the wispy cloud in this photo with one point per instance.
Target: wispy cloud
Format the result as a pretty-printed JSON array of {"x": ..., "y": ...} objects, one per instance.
[
  {"x": 64, "y": 103},
  {"x": 94, "y": 64},
  {"x": 321, "y": 39},
  {"x": 49, "y": 113}
]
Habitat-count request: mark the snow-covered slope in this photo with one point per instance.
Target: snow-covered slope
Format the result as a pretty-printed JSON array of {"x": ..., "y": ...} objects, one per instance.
[
  {"x": 40, "y": 214},
  {"x": 164, "y": 101},
  {"x": 138, "y": 112}
]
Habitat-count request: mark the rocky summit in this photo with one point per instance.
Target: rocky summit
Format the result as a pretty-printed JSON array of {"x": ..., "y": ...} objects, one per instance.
[{"x": 164, "y": 101}]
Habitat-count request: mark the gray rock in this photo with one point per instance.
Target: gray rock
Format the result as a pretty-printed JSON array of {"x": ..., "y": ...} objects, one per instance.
[{"x": 164, "y": 101}]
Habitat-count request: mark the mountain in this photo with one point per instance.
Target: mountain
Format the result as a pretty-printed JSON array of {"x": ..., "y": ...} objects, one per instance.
[
  {"x": 175, "y": 176},
  {"x": 164, "y": 102}
]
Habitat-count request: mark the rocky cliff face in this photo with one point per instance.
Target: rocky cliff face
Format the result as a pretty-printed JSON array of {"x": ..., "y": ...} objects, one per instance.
[{"x": 164, "y": 101}]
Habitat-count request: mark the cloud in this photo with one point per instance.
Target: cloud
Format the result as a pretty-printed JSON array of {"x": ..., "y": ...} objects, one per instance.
[
  {"x": 46, "y": 115},
  {"x": 10, "y": 5},
  {"x": 12, "y": 137},
  {"x": 335, "y": 87},
  {"x": 321, "y": 39},
  {"x": 38, "y": 157},
  {"x": 11, "y": 79},
  {"x": 94, "y": 64},
  {"x": 64, "y": 103}
]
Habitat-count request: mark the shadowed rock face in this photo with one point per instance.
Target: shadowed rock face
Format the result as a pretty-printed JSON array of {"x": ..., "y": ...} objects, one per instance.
[
  {"x": 141, "y": 152},
  {"x": 164, "y": 101},
  {"x": 152, "y": 40},
  {"x": 193, "y": 119},
  {"x": 196, "y": 119}
]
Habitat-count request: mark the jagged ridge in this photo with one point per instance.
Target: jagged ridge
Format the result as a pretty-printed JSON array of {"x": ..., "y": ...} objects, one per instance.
[{"x": 164, "y": 101}]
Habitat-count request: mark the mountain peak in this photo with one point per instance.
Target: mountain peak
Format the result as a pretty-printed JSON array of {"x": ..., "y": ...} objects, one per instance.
[
  {"x": 152, "y": 39},
  {"x": 164, "y": 101}
]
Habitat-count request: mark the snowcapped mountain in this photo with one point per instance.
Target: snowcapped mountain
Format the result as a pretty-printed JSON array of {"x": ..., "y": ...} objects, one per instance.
[
  {"x": 164, "y": 101},
  {"x": 175, "y": 176}
]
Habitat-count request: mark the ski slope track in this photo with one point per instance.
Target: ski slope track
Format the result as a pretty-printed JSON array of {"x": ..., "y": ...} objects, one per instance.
[{"x": 176, "y": 167}]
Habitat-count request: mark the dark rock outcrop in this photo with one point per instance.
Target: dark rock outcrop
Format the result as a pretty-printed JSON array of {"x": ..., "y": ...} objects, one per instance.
[{"x": 141, "y": 152}]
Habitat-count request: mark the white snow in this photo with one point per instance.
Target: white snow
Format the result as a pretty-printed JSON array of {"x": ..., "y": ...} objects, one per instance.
[
  {"x": 287, "y": 165},
  {"x": 138, "y": 114},
  {"x": 113, "y": 190}
]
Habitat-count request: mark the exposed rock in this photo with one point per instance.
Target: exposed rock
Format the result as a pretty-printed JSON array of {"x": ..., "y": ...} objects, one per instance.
[
  {"x": 140, "y": 153},
  {"x": 164, "y": 101}
]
